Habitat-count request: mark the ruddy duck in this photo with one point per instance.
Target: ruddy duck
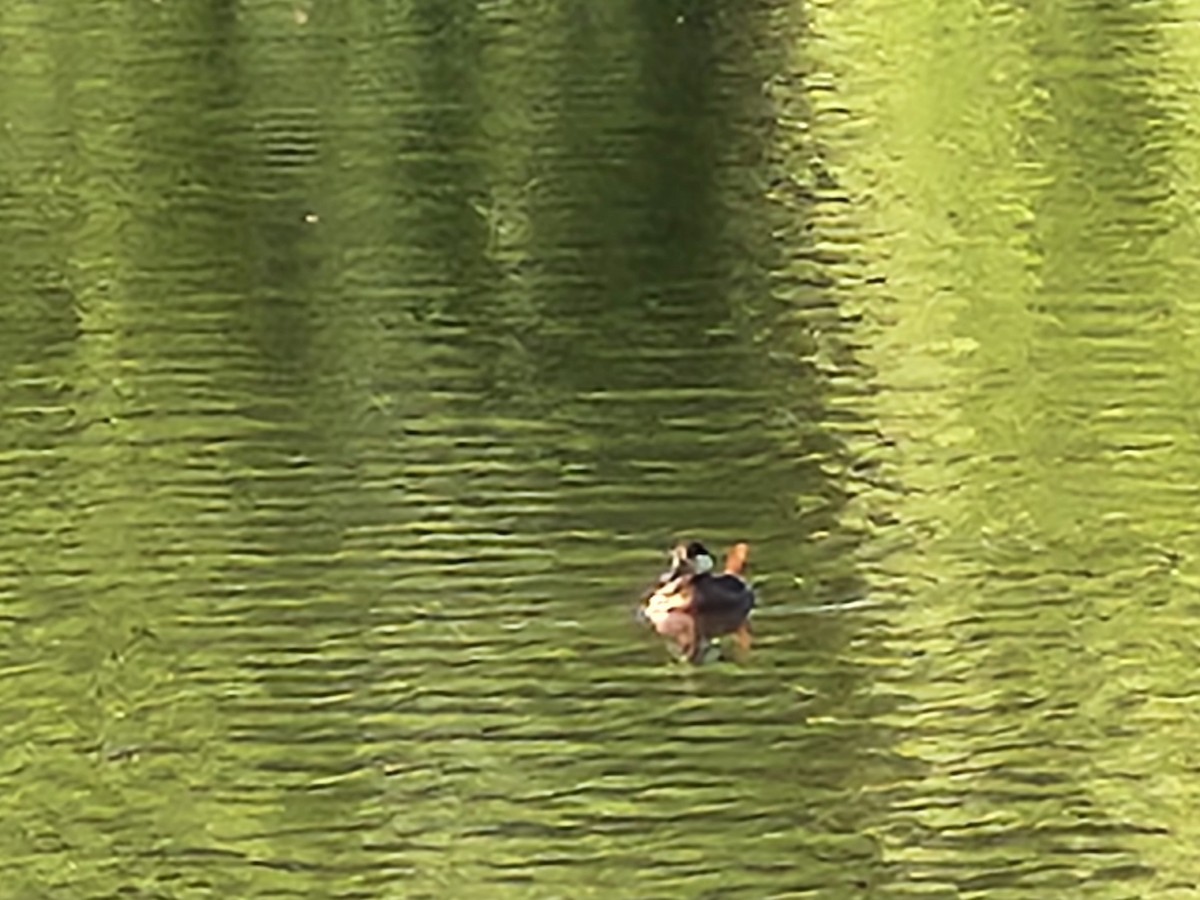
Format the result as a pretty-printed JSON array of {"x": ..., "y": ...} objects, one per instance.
[{"x": 692, "y": 606}]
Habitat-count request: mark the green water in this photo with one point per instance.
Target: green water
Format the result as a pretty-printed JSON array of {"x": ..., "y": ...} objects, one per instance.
[{"x": 358, "y": 364}]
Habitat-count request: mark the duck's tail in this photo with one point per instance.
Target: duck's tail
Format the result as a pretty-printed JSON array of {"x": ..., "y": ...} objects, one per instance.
[{"x": 735, "y": 560}]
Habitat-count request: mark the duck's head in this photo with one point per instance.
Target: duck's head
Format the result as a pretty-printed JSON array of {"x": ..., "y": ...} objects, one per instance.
[{"x": 691, "y": 558}]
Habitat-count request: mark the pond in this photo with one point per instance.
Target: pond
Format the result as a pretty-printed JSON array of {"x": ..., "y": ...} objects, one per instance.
[{"x": 360, "y": 364}]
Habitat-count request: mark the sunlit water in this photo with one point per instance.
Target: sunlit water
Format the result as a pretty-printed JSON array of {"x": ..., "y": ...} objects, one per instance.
[{"x": 360, "y": 364}]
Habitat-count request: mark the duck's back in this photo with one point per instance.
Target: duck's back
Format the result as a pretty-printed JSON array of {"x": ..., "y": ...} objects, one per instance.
[{"x": 722, "y": 594}]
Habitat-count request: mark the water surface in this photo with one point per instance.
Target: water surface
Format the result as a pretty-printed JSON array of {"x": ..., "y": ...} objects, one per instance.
[{"x": 359, "y": 365}]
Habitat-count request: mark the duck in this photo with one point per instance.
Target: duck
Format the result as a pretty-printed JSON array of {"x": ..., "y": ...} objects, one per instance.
[{"x": 691, "y": 605}]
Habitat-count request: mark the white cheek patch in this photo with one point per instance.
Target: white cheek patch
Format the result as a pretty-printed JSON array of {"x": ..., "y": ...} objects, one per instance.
[{"x": 703, "y": 564}]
